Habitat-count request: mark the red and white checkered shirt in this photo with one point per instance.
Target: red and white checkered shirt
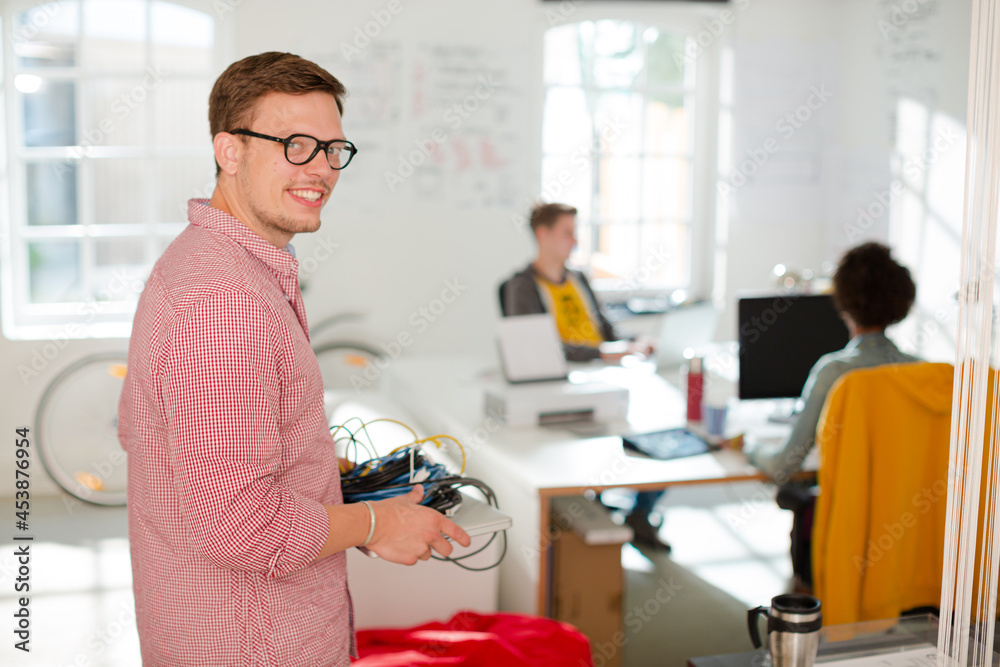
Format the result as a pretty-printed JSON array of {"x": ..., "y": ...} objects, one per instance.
[{"x": 230, "y": 460}]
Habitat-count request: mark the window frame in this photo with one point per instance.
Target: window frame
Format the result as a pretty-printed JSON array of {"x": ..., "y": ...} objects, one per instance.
[
  {"x": 687, "y": 22},
  {"x": 21, "y": 319}
]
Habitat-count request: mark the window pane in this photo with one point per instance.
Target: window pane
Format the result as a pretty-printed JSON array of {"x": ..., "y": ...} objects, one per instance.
[
  {"x": 45, "y": 36},
  {"x": 664, "y": 255},
  {"x": 617, "y": 55},
  {"x": 50, "y": 114},
  {"x": 183, "y": 38},
  {"x": 54, "y": 271},
  {"x": 114, "y": 34},
  {"x": 568, "y": 180},
  {"x": 666, "y": 188},
  {"x": 177, "y": 181},
  {"x": 665, "y": 58},
  {"x": 615, "y": 255},
  {"x": 120, "y": 269},
  {"x": 119, "y": 191},
  {"x": 668, "y": 126},
  {"x": 176, "y": 121},
  {"x": 562, "y": 56},
  {"x": 115, "y": 112},
  {"x": 51, "y": 193},
  {"x": 566, "y": 126},
  {"x": 618, "y": 188},
  {"x": 617, "y": 123}
]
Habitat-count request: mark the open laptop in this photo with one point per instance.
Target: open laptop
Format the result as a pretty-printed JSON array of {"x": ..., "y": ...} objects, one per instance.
[{"x": 530, "y": 349}]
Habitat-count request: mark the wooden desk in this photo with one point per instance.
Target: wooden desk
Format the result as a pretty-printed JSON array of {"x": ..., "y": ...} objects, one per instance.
[{"x": 528, "y": 466}]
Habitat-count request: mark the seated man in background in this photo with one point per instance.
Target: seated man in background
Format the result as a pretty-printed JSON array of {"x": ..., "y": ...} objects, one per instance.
[
  {"x": 548, "y": 286},
  {"x": 871, "y": 291}
]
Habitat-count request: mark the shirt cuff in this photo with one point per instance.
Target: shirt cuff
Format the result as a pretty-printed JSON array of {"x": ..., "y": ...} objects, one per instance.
[{"x": 308, "y": 533}]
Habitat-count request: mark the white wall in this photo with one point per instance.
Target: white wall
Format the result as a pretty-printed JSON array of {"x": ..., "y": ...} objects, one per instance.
[{"x": 394, "y": 255}]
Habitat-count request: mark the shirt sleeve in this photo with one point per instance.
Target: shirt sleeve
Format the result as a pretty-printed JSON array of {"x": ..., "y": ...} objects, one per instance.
[
  {"x": 782, "y": 461},
  {"x": 221, "y": 390}
]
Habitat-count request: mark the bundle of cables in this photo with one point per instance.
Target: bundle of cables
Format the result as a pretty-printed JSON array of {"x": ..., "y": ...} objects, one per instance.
[{"x": 394, "y": 474}]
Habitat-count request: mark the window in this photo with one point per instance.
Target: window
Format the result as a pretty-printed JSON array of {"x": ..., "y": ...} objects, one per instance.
[
  {"x": 617, "y": 143},
  {"x": 107, "y": 138}
]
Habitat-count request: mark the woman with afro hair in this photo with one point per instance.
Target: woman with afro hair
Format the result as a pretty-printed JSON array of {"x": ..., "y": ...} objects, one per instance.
[{"x": 871, "y": 291}]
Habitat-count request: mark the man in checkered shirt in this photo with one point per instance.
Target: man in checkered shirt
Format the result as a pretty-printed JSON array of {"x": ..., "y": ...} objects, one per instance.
[{"x": 236, "y": 520}]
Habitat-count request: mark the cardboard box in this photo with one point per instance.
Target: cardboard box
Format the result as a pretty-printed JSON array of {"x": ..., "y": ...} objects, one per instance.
[{"x": 587, "y": 592}]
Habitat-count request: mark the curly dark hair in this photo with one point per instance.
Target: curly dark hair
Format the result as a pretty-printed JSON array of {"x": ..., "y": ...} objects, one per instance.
[{"x": 872, "y": 287}]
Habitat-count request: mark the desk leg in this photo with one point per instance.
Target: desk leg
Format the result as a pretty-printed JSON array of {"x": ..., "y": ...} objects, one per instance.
[{"x": 544, "y": 557}]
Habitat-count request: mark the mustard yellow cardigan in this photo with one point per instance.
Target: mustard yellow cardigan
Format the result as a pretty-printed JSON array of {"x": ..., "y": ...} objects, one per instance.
[{"x": 878, "y": 532}]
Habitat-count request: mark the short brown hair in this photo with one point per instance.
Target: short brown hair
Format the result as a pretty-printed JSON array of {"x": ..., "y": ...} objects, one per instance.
[
  {"x": 234, "y": 96},
  {"x": 545, "y": 215},
  {"x": 872, "y": 287}
]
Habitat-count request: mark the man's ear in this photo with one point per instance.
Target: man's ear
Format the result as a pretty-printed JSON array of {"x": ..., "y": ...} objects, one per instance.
[{"x": 228, "y": 150}]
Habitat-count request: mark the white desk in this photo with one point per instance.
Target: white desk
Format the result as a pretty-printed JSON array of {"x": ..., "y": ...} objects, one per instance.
[{"x": 528, "y": 466}]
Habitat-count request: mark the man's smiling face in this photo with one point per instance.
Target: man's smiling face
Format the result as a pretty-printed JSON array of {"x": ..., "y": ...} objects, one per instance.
[{"x": 279, "y": 199}]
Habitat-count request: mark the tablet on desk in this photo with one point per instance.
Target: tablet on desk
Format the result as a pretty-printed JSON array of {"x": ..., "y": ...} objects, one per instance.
[{"x": 672, "y": 443}]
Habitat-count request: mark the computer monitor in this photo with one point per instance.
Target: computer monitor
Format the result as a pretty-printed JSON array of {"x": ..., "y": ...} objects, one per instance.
[{"x": 781, "y": 337}]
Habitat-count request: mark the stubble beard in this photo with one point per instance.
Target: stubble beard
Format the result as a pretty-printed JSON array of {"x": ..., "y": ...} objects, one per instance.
[{"x": 269, "y": 220}]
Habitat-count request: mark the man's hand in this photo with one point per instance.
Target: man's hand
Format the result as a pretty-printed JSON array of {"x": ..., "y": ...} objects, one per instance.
[
  {"x": 613, "y": 351},
  {"x": 406, "y": 531}
]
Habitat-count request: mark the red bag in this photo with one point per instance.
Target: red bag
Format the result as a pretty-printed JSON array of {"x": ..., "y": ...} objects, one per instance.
[{"x": 490, "y": 640}]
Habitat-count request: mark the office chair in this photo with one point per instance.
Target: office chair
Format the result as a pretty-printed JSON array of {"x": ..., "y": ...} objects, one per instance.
[
  {"x": 878, "y": 533},
  {"x": 503, "y": 301}
]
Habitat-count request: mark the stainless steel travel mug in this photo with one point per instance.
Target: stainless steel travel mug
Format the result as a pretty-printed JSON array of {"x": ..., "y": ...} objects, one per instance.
[{"x": 793, "y": 623}]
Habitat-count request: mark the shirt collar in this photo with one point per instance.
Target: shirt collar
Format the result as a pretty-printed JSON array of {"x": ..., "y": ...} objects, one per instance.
[
  {"x": 867, "y": 340},
  {"x": 279, "y": 260}
]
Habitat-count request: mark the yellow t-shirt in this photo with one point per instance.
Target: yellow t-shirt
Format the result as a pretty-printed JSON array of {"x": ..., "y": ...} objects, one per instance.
[{"x": 575, "y": 320}]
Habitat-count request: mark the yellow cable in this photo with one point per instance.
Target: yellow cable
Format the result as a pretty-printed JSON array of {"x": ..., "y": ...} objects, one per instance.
[{"x": 416, "y": 441}]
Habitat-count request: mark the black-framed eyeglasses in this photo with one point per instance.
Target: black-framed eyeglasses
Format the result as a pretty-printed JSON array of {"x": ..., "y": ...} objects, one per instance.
[{"x": 301, "y": 148}]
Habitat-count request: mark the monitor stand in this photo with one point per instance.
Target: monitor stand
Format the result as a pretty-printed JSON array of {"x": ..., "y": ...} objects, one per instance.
[{"x": 784, "y": 411}]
